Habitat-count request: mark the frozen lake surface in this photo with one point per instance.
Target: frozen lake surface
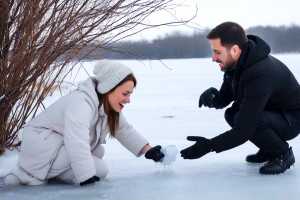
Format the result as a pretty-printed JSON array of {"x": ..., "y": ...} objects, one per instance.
[{"x": 164, "y": 108}]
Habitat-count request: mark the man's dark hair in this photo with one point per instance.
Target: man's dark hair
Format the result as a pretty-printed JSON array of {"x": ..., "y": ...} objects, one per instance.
[{"x": 230, "y": 34}]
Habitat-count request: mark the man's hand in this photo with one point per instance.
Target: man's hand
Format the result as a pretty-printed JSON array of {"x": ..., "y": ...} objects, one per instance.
[
  {"x": 155, "y": 154},
  {"x": 199, "y": 149},
  {"x": 211, "y": 98}
]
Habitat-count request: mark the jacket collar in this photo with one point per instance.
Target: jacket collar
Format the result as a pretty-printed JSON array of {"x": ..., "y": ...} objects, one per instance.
[
  {"x": 88, "y": 86},
  {"x": 101, "y": 111},
  {"x": 239, "y": 67}
]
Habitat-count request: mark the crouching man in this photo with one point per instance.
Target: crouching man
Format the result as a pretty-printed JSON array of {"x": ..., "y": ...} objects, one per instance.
[{"x": 265, "y": 96}]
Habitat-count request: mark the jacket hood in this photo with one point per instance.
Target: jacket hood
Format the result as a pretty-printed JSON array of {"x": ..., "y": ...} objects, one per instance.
[
  {"x": 89, "y": 87},
  {"x": 257, "y": 50}
]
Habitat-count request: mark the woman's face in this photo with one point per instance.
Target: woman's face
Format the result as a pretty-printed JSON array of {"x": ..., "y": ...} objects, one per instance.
[{"x": 120, "y": 96}]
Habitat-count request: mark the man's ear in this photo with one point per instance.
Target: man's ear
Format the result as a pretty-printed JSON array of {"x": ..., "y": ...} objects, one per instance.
[{"x": 235, "y": 51}]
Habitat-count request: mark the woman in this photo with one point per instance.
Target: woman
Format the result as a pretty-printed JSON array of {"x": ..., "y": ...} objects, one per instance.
[{"x": 65, "y": 140}]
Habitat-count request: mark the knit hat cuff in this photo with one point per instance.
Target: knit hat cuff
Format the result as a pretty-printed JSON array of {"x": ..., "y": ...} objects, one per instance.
[{"x": 109, "y": 74}]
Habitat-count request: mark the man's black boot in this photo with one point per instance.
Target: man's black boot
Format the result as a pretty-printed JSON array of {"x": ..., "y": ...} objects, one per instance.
[
  {"x": 278, "y": 165},
  {"x": 259, "y": 157}
]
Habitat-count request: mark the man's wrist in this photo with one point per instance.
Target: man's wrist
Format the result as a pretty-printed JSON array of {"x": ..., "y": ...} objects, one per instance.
[{"x": 210, "y": 146}]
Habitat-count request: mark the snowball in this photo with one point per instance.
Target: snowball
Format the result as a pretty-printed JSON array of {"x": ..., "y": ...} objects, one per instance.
[{"x": 168, "y": 161}]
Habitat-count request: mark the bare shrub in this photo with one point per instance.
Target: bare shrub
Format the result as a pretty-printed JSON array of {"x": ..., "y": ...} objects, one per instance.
[{"x": 41, "y": 41}]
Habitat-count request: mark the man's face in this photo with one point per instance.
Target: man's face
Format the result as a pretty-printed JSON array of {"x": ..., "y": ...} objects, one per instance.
[{"x": 222, "y": 56}]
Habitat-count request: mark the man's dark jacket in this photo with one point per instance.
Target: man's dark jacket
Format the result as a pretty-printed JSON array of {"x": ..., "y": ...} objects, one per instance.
[{"x": 260, "y": 82}]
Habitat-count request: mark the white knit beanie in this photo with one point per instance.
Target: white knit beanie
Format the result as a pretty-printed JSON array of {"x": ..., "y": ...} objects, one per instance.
[{"x": 109, "y": 74}]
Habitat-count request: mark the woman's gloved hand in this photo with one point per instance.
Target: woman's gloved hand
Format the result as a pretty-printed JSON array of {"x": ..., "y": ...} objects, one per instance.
[
  {"x": 90, "y": 181},
  {"x": 155, "y": 154}
]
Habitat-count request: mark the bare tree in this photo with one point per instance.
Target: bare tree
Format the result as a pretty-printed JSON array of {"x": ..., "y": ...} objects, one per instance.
[{"x": 41, "y": 41}]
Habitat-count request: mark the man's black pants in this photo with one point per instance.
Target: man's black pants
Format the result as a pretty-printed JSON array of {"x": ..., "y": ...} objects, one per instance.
[{"x": 273, "y": 130}]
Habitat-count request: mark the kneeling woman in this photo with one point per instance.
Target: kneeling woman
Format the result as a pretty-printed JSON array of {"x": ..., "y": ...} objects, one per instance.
[{"x": 65, "y": 140}]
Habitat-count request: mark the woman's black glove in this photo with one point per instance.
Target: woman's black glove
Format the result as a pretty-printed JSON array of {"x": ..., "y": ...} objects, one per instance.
[
  {"x": 96, "y": 178},
  {"x": 155, "y": 154},
  {"x": 211, "y": 98},
  {"x": 90, "y": 181},
  {"x": 199, "y": 149}
]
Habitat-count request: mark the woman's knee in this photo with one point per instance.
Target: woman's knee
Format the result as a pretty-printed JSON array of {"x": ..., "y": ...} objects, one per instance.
[
  {"x": 67, "y": 176},
  {"x": 99, "y": 152},
  {"x": 61, "y": 163},
  {"x": 101, "y": 167}
]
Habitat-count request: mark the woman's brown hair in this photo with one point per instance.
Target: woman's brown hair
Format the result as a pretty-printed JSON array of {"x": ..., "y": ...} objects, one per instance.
[{"x": 113, "y": 116}]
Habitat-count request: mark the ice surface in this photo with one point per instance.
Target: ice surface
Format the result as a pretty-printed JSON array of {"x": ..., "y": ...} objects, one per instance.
[{"x": 161, "y": 92}]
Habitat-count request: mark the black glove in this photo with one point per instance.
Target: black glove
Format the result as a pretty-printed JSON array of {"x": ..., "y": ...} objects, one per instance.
[
  {"x": 211, "y": 98},
  {"x": 96, "y": 178},
  {"x": 199, "y": 149},
  {"x": 90, "y": 181},
  {"x": 155, "y": 154}
]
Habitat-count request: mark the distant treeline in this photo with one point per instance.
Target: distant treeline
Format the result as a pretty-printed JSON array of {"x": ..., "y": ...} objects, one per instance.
[{"x": 283, "y": 39}]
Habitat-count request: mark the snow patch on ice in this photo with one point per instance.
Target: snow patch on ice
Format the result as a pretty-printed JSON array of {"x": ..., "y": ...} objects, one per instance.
[{"x": 8, "y": 162}]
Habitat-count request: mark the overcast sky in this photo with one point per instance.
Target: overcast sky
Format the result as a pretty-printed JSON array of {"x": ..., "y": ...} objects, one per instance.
[{"x": 213, "y": 12}]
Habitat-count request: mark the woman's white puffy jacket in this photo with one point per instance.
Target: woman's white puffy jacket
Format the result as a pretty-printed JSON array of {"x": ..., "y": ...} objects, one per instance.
[{"x": 73, "y": 121}]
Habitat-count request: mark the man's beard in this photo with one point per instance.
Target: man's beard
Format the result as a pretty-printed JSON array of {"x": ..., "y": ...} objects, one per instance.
[{"x": 230, "y": 64}]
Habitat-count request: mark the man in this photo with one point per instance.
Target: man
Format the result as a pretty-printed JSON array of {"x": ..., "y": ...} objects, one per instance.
[{"x": 265, "y": 96}]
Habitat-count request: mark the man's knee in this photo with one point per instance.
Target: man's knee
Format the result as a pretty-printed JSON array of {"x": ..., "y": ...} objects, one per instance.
[
  {"x": 230, "y": 113},
  {"x": 229, "y": 118},
  {"x": 263, "y": 129},
  {"x": 272, "y": 120},
  {"x": 99, "y": 152},
  {"x": 264, "y": 119},
  {"x": 101, "y": 167}
]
